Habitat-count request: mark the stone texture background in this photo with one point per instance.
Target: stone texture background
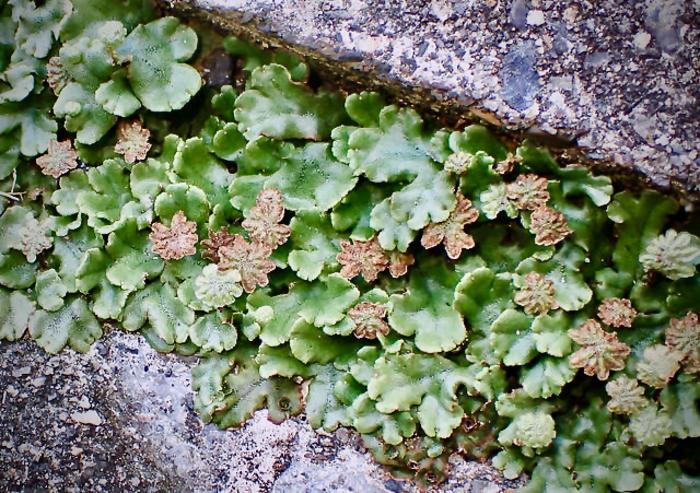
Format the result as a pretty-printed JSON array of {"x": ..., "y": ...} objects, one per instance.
[
  {"x": 120, "y": 419},
  {"x": 619, "y": 79}
]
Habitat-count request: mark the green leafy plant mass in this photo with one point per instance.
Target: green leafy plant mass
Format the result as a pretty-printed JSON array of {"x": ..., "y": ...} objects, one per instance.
[{"x": 433, "y": 289}]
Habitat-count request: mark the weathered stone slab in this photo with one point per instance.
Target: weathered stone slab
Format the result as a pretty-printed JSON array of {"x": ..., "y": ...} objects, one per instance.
[
  {"x": 120, "y": 418},
  {"x": 621, "y": 80}
]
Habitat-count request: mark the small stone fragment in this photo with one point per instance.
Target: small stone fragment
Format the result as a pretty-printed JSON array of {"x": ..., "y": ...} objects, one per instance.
[
  {"x": 132, "y": 141},
  {"x": 535, "y": 18},
  {"x": 550, "y": 226},
  {"x": 362, "y": 257},
  {"x": 18, "y": 372},
  {"x": 369, "y": 319},
  {"x": 38, "y": 381},
  {"x": 600, "y": 351},
  {"x": 658, "y": 366},
  {"x": 451, "y": 232},
  {"x": 537, "y": 296},
  {"x": 683, "y": 336},
  {"x": 84, "y": 402},
  {"x": 59, "y": 159},
  {"x": 177, "y": 241},
  {"x": 87, "y": 417},
  {"x": 262, "y": 223},
  {"x": 617, "y": 312},
  {"x": 571, "y": 13},
  {"x": 641, "y": 39}
]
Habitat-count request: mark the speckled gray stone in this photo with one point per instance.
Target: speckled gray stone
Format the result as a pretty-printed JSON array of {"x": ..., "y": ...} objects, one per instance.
[
  {"x": 618, "y": 80},
  {"x": 120, "y": 418}
]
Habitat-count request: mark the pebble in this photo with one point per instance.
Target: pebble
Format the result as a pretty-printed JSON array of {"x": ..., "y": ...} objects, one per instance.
[
  {"x": 87, "y": 418},
  {"x": 641, "y": 39},
  {"x": 84, "y": 402},
  {"x": 535, "y": 18},
  {"x": 25, "y": 370}
]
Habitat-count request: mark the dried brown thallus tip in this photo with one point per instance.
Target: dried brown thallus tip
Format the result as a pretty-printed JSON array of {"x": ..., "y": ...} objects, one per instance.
[
  {"x": 362, "y": 257},
  {"x": 399, "y": 263},
  {"x": 626, "y": 396},
  {"x": 132, "y": 141},
  {"x": 216, "y": 240},
  {"x": 451, "y": 232},
  {"x": 251, "y": 260},
  {"x": 683, "y": 336},
  {"x": 600, "y": 351},
  {"x": 508, "y": 164},
  {"x": 262, "y": 222},
  {"x": 550, "y": 226},
  {"x": 369, "y": 259},
  {"x": 177, "y": 241},
  {"x": 369, "y": 319},
  {"x": 59, "y": 159},
  {"x": 617, "y": 312},
  {"x": 537, "y": 296}
]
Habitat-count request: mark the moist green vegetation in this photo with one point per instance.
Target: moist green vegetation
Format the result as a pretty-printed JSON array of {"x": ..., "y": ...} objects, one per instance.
[{"x": 433, "y": 289}]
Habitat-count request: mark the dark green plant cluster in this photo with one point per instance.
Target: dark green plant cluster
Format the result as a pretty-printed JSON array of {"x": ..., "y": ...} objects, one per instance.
[{"x": 433, "y": 289}]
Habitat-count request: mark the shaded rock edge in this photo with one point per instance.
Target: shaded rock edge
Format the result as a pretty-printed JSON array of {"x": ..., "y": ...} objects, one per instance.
[{"x": 608, "y": 85}]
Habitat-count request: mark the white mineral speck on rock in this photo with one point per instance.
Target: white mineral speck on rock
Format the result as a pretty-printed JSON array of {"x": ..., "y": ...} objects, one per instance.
[
  {"x": 571, "y": 14},
  {"x": 441, "y": 9},
  {"x": 641, "y": 39},
  {"x": 87, "y": 418},
  {"x": 84, "y": 402},
  {"x": 535, "y": 18},
  {"x": 25, "y": 370}
]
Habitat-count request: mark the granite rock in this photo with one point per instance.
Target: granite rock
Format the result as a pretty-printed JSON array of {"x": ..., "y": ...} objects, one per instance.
[
  {"x": 612, "y": 84},
  {"x": 120, "y": 418}
]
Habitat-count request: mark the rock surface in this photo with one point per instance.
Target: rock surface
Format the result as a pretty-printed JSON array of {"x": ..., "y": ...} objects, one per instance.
[
  {"x": 120, "y": 418},
  {"x": 618, "y": 79}
]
